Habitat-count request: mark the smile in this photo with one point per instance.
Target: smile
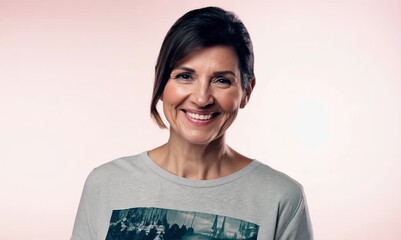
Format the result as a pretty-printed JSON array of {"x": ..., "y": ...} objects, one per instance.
[{"x": 199, "y": 116}]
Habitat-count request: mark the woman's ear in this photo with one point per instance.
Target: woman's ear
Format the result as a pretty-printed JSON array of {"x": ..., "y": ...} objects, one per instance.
[{"x": 248, "y": 92}]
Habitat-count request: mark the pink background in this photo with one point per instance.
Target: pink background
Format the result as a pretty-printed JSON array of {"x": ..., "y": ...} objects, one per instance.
[{"x": 75, "y": 86}]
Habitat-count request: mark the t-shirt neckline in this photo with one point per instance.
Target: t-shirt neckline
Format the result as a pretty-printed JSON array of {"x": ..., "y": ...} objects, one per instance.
[{"x": 197, "y": 183}]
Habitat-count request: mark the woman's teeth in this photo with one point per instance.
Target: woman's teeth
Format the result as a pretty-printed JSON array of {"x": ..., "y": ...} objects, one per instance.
[{"x": 199, "y": 116}]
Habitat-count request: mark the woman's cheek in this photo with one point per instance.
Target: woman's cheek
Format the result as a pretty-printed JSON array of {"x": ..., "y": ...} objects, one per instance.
[
  {"x": 174, "y": 93},
  {"x": 230, "y": 102}
]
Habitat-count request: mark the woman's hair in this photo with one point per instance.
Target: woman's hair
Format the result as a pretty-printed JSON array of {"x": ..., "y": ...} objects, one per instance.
[{"x": 198, "y": 29}]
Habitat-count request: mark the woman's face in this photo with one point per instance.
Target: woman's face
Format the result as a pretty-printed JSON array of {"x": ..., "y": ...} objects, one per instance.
[{"x": 203, "y": 95}]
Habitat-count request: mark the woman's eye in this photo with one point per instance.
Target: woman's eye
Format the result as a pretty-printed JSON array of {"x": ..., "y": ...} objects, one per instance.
[
  {"x": 183, "y": 76},
  {"x": 224, "y": 81}
]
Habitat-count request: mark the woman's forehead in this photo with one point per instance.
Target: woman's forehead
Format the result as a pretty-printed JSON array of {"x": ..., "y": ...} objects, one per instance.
[{"x": 218, "y": 56}]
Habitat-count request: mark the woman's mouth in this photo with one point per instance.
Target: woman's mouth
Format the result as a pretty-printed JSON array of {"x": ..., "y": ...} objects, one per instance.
[{"x": 200, "y": 117}]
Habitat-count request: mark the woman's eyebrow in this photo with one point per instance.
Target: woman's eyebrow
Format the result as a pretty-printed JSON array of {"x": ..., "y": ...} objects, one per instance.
[
  {"x": 217, "y": 73},
  {"x": 224, "y": 73},
  {"x": 185, "y": 69}
]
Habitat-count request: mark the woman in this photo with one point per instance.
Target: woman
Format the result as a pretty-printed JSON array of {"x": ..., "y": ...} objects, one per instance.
[{"x": 195, "y": 186}]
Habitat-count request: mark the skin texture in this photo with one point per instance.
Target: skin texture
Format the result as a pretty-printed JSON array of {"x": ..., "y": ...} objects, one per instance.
[{"x": 206, "y": 82}]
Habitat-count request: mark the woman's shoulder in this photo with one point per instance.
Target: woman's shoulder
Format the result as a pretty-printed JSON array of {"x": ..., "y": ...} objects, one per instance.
[
  {"x": 123, "y": 166},
  {"x": 270, "y": 180}
]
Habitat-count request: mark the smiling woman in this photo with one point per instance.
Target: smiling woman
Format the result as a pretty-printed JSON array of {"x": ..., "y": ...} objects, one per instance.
[
  {"x": 202, "y": 97},
  {"x": 195, "y": 186}
]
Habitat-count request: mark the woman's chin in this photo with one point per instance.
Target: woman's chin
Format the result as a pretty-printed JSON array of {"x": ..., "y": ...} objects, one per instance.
[{"x": 200, "y": 139}]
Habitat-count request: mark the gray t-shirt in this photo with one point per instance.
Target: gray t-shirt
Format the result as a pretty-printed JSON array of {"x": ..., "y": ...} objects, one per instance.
[{"x": 134, "y": 198}]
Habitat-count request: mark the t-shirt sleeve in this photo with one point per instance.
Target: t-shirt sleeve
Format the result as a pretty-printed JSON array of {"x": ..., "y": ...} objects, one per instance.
[
  {"x": 85, "y": 221},
  {"x": 298, "y": 226}
]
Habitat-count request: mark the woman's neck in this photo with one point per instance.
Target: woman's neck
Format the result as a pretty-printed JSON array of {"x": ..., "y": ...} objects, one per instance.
[{"x": 198, "y": 162}]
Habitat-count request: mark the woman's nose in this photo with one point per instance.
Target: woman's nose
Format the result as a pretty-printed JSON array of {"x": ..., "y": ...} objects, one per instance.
[{"x": 202, "y": 95}]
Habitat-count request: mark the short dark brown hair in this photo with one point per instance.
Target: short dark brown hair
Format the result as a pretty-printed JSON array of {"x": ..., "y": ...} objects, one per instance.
[{"x": 197, "y": 29}]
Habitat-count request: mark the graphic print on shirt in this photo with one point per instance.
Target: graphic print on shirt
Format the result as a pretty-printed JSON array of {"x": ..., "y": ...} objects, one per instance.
[{"x": 168, "y": 224}]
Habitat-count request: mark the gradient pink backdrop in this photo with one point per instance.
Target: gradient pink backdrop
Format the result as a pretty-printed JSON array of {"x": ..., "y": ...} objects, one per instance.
[{"x": 75, "y": 85}]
